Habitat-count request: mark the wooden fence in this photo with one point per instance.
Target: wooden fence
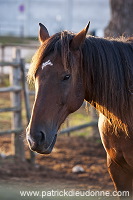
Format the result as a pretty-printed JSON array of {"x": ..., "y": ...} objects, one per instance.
[
  {"x": 15, "y": 89},
  {"x": 17, "y": 79},
  {"x": 17, "y": 86}
]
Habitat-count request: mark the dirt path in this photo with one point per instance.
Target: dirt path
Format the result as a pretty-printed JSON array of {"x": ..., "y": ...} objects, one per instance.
[{"x": 55, "y": 171}]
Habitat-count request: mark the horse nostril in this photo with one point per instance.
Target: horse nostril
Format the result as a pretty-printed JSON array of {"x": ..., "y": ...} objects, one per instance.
[
  {"x": 37, "y": 140},
  {"x": 42, "y": 137}
]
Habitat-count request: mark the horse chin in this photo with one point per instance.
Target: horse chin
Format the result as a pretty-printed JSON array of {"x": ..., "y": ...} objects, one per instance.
[{"x": 49, "y": 149}]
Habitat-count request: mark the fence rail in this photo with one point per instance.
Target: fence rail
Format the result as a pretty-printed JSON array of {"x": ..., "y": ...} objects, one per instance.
[
  {"x": 29, "y": 46},
  {"x": 11, "y": 89},
  {"x": 77, "y": 128},
  {"x": 13, "y": 64},
  {"x": 15, "y": 131},
  {"x": 10, "y": 109}
]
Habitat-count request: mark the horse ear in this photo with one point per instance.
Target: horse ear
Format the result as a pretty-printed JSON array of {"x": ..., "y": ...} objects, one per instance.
[
  {"x": 43, "y": 33},
  {"x": 79, "y": 38}
]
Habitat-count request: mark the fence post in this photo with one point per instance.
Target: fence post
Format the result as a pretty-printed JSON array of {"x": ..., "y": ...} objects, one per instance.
[
  {"x": 27, "y": 102},
  {"x": 2, "y": 60},
  {"x": 15, "y": 80},
  {"x": 25, "y": 90}
]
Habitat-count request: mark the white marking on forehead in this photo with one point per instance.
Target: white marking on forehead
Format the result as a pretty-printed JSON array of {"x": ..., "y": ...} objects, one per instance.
[{"x": 47, "y": 63}]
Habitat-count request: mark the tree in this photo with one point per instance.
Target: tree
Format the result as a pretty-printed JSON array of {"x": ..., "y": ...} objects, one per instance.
[{"x": 121, "y": 22}]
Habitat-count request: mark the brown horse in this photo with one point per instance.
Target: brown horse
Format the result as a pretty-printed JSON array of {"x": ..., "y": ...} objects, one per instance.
[{"x": 69, "y": 68}]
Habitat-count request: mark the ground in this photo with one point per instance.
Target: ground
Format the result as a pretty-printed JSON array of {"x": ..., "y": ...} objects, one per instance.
[{"x": 54, "y": 171}]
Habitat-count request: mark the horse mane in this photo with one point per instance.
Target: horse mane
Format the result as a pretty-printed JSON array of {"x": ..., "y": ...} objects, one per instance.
[
  {"x": 107, "y": 66},
  {"x": 109, "y": 73}
]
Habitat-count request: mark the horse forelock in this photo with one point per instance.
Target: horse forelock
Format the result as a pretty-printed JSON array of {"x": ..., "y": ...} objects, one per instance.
[{"x": 58, "y": 44}]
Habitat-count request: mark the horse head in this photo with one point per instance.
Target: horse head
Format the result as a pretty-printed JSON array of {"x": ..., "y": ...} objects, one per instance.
[{"x": 59, "y": 86}]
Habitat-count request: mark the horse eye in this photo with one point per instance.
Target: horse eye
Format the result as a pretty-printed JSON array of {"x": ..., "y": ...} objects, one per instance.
[{"x": 66, "y": 77}]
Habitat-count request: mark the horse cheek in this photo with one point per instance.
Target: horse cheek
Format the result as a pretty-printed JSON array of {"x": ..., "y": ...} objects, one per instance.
[{"x": 76, "y": 100}]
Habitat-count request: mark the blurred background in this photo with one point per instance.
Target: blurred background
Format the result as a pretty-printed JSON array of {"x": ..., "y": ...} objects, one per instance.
[
  {"x": 21, "y": 17},
  {"x": 78, "y": 160}
]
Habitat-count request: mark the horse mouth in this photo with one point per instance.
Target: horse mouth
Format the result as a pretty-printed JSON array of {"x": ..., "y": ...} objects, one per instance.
[{"x": 50, "y": 148}]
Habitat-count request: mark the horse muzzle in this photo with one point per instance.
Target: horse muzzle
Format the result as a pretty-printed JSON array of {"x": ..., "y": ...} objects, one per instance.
[{"x": 41, "y": 142}]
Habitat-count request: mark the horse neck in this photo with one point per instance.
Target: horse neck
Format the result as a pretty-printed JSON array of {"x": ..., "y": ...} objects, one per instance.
[{"x": 107, "y": 78}]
